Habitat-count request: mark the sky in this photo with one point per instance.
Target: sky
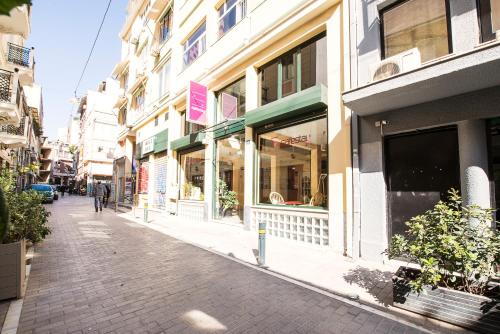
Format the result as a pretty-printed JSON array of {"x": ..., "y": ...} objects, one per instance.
[{"x": 62, "y": 33}]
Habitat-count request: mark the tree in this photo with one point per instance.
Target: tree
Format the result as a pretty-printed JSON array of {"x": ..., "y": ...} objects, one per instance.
[{"x": 7, "y": 5}]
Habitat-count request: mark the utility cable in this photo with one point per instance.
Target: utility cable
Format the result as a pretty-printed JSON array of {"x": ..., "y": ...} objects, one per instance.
[{"x": 93, "y": 46}]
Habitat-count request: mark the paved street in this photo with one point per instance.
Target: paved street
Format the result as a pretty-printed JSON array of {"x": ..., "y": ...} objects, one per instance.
[{"x": 98, "y": 273}]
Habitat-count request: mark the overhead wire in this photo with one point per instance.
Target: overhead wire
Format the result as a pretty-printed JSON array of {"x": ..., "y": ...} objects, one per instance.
[{"x": 93, "y": 47}]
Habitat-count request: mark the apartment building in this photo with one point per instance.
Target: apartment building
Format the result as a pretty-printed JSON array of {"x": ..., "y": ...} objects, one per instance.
[
  {"x": 231, "y": 111},
  {"x": 98, "y": 131},
  {"x": 21, "y": 103},
  {"x": 425, "y": 95}
]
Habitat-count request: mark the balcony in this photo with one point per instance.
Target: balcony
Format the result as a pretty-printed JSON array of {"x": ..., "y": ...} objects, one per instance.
[
  {"x": 13, "y": 136},
  {"x": 12, "y": 104},
  {"x": 446, "y": 77},
  {"x": 21, "y": 58},
  {"x": 18, "y": 22}
]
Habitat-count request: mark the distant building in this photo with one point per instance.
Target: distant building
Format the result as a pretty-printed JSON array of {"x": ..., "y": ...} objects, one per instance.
[{"x": 98, "y": 133}]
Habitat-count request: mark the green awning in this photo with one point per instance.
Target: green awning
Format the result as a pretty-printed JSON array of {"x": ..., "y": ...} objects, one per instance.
[
  {"x": 305, "y": 101},
  {"x": 161, "y": 141},
  {"x": 187, "y": 141},
  {"x": 230, "y": 127}
]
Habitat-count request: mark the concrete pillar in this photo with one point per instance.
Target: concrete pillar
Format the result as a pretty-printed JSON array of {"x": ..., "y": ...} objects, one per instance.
[
  {"x": 251, "y": 102},
  {"x": 464, "y": 25},
  {"x": 474, "y": 163}
]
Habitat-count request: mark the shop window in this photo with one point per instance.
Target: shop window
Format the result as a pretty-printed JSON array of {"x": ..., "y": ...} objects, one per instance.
[
  {"x": 156, "y": 120},
  {"x": 293, "y": 165},
  {"x": 230, "y": 13},
  {"x": 193, "y": 175},
  {"x": 231, "y": 101},
  {"x": 165, "y": 117},
  {"x": 489, "y": 12},
  {"x": 195, "y": 45},
  {"x": 421, "y": 24},
  {"x": 143, "y": 176},
  {"x": 281, "y": 77},
  {"x": 230, "y": 163},
  {"x": 166, "y": 26},
  {"x": 418, "y": 174}
]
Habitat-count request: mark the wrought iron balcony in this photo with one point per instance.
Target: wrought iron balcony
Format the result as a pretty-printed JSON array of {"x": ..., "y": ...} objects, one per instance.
[
  {"x": 19, "y": 55},
  {"x": 6, "y": 79},
  {"x": 12, "y": 129}
]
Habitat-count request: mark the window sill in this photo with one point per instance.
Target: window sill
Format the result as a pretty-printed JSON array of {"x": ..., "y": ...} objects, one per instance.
[{"x": 281, "y": 207}]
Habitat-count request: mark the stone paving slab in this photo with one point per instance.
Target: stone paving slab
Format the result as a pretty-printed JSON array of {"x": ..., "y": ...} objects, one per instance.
[{"x": 98, "y": 273}]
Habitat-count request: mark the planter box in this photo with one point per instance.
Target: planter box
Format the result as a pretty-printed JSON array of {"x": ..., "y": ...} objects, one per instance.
[
  {"x": 463, "y": 309},
  {"x": 12, "y": 269}
]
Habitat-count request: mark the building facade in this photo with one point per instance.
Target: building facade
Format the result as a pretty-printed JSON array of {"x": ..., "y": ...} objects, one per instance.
[
  {"x": 424, "y": 92},
  {"x": 21, "y": 103},
  {"x": 98, "y": 130},
  {"x": 272, "y": 140}
]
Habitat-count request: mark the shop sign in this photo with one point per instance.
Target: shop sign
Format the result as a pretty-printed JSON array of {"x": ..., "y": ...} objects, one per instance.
[
  {"x": 197, "y": 103},
  {"x": 148, "y": 145},
  {"x": 229, "y": 106}
]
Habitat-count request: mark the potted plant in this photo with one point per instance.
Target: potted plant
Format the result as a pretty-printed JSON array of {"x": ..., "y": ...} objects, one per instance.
[
  {"x": 227, "y": 198},
  {"x": 456, "y": 250},
  {"x": 22, "y": 218}
]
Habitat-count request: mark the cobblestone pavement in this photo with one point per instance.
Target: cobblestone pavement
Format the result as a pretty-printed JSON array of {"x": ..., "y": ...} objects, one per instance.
[{"x": 98, "y": 273}]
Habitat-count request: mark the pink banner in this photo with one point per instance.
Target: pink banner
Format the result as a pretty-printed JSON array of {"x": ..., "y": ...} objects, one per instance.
[
  {"x": 229, "y": 106},
  {"x": 197, "y": 103}
]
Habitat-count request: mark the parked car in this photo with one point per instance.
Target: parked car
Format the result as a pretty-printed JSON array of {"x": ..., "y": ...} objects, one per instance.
[
  {"x": 54, "y": 188},
  {"x": 46, "y": 190}
]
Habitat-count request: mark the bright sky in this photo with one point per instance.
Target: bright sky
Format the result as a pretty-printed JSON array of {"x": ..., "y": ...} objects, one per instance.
[{"x": 62, "y": 32}]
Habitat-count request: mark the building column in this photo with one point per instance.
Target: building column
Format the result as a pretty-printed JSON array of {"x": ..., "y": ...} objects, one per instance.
[
  {"x": 464, "y": 25},
  {"x": 251, "y": 102},
  {"x": 474, "y": 163}
]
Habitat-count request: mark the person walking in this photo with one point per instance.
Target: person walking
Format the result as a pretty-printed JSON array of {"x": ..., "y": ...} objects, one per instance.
[
  {"x": 107, "y": 192},
  {"x": 62, "y": 190},
  {"x": 98, "y": 196}
]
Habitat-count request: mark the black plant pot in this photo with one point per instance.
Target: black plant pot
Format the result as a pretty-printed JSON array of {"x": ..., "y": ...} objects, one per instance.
[{"x": 463, "y": 309}]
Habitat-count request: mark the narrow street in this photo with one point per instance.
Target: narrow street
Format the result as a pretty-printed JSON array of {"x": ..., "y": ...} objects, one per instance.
[{"x": 98, "y": 273}]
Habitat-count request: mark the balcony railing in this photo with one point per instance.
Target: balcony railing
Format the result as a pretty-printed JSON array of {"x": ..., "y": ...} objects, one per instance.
[
  {"x": 232, "y": 16},
  {"x": 5, "y": 86},
  {"x": 14, "y": 130},
  {"x": 19, "y": 55},
  {"x": 195, "y": 50}
]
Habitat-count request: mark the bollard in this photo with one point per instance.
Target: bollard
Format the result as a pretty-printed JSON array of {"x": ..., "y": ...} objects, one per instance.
[
  {"x": 146, "y": 211},
  {"x": 262, "y": 244}
]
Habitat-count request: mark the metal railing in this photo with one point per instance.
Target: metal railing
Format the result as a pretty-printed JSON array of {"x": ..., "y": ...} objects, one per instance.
[
  {"x": 5, "y": 84},
  {"x": 19, "y": 55},
  {"x": 14, "y": 130},
  {"x": 196, "y": 49},
  {"x": 232, "y": 16}
]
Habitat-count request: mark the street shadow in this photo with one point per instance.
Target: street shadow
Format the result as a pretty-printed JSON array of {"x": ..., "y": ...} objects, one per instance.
[
  {"x": 256, "y": 254},
  {"x": 376, "y": 282}
]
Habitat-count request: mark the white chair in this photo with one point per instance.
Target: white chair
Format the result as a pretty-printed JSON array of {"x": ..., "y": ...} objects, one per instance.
[{"x": 276, "y": 198}]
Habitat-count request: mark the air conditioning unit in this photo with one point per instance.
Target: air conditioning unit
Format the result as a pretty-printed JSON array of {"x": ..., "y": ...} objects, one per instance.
[{"x": 400, "y": 63}]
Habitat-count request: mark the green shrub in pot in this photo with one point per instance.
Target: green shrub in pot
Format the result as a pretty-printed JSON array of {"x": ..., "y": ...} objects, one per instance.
[
  {"x": 4, "y": 216},
  {"x": 454, "y": 245}
]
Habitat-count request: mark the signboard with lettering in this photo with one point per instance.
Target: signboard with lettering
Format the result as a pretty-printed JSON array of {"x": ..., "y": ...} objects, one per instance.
[
  {"x": 197, "y": 103},
  {"x": 229, "y": 106},
  {"x": 148, "y": 145}
]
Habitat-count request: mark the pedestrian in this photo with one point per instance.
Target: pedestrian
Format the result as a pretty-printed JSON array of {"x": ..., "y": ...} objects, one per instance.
[
  {"x": 107, "y": 192},
  {"x": 62, "y": 189},
  {"x": 98, "y": 196}
]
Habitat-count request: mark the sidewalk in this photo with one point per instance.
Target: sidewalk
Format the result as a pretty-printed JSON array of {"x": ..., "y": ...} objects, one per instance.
[{"x": 368, "y": 282}]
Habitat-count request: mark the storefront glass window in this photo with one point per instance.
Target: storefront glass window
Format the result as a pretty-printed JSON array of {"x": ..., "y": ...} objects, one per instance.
[
  {"x": 293, "y": 165},
  {"x": 189, "y": 127},
  {"x": 230, "y": 173},
  {"x": 193, "y": 175},
  {"x": 143, "y": 176},
  {"x": 232, "y": 101},
  {"x": 418, "y": 24}
]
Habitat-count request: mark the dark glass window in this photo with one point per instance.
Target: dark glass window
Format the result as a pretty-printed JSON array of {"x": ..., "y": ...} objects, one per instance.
[
  {"x": 156, "y": 121},
  {"x": 313, "y": 64},
  {"x": 489, "y": 11},
  {"x": 230, "y": 13},
  {"x": 166, "y": 26},
  {"x": 421, "y": 24},
  {"x": 269, "y": 83},
  {"x": 418, "y": 174},
  {"x": 193, "y": 175},
  {"x": 195, "y": 45},
  {"x": 312, "y": 69},
  {"x": 189, "y": 127},
  {"x": 231, "y": 101}
]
